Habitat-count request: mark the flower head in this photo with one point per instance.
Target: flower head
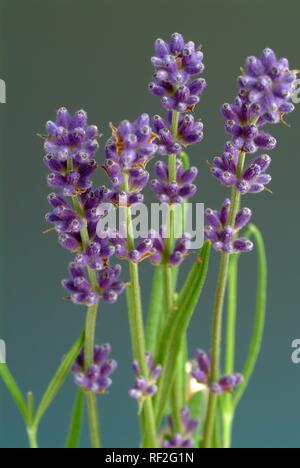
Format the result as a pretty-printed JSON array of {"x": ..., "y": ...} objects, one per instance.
[
  {"x": 223, "y": 236},
  {"x": 269, "y": 83},
  {"x": 201, "y": 372},
  {"x": 184, "y": 440},
  {"x": 190, "y": 132},
  {"x": 81, "y": 291},
  {"x": 70, "y": 146},
  {"x": 253, "y": 179},
  {"x": 128, "y": 152},
  {"x": 177, "y": 66},
  {"x": 96, "y": 379},
  {"x": 176, "y": 192},
  {"x": 145, "y": 387},
  {"x": 244, "y": 126},
  {"x": 131, "y": 145}
]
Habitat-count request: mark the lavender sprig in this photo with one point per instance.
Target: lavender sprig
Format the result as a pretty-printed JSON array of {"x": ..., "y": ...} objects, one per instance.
[
  {"x": 70, "y": 146},
  {"x": 265, "y": 93}
]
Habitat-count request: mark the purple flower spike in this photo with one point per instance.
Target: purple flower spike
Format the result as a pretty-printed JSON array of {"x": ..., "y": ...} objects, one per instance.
[
  {"x": 254, "y": 178},
  {"x": 269, "y": 83},
  {"x": 177, "y": 65},
  {"x": 190, "y": 426},
  {"x": 244, "y": 127},
  {"x": 108, "y": 285},
  {"x": 96, "y": 379},
  {"x": 70, "y": 145},
  {"x": 176, "y": 192},
  {"x": 221, "y": 235},
  {"x": 131, "y": 145},
  {"x": 145, "y": 387},
  {"x": 128, "y": 152}
]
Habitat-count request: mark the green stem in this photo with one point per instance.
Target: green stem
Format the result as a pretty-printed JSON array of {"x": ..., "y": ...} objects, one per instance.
[
  {"x": 154, "y": 317},
  {"x": 91, "y": 319},
  {"x": 260, "y": 315},
  {"x": 138, "y": 336},
  {"x": 176, "y": 396},
  {"x": 93, "y": 420},
  {"x": 31, "y": 427},
  {"x": 227, "y": 406},
  {"x": 32, "y": 437},
  {"x": 231, "y": 315},
  {"x": 216, "y": 348},
  {"x": 169, "y": 291},
  {"x": 218, "y": 313},
  {"x": 90, "y": 327}
]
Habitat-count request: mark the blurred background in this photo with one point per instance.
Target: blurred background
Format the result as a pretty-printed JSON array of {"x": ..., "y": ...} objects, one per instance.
[{"x": 95, "y": 54}]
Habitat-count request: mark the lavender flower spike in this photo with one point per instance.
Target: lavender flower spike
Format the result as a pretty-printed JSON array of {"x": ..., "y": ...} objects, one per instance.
[
  {"x": 70, "y": 146},
  {"x": 128, "y": 152},
  {"x": 143, "y": 387},
  {"x": 97, "y": 378},
  {"x": 108, "y": 285},
  {"x": 184, "y": 440},
  {"x": 254, "y": 178},
  {"x": 269, "y": 83},
  {"x": 177, "y": 66},
  {"x": 221, "y": 235}
]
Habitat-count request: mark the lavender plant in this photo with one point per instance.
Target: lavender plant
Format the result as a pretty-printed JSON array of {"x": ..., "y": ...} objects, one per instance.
[{"x": 197, "y": 393}]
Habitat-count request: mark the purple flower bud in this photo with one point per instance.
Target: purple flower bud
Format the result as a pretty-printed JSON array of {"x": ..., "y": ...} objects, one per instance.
[{"x": 95, "y": 379}]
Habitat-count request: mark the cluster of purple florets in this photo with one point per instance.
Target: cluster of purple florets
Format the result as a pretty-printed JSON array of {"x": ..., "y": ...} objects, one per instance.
[
  {"x": 201, "y": 372},
  {"x": 70, "y": 146},
  {"x": 266, "y": 88},
  {"x": 95, "y": 379},
  {"x": 185, "y": 439}
]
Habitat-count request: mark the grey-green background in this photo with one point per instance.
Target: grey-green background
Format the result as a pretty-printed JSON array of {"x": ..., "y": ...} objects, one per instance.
[{"x": 96, "y": 55}]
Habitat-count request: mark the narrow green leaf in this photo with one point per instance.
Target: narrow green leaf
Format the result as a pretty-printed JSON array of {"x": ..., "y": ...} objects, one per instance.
[
  {"x": 59, "y": 379},
  {"x": 176, "y": 329},
  {"x": 155, "y": 313},
  {"x": 13, "y": 389},
  {"x": 73, "y": 439},
  {"x": 260, "y": 314}
]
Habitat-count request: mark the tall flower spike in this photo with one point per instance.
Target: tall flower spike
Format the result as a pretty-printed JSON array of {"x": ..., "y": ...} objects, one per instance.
[
  {"x": 184, "y": 440},
  {"x": 177, "y": 65},
  {"x": 269, "y": 83},
  {"x": 97, "y": 378},
  {"x": 222, "y": 236}
]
